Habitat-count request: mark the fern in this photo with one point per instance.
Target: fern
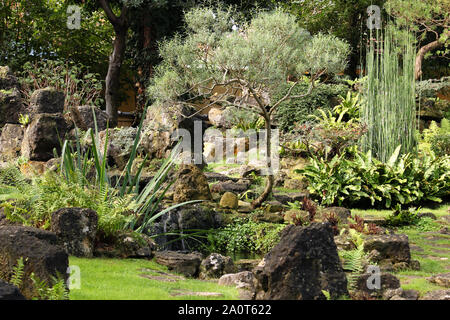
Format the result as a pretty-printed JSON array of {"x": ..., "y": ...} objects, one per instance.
[
  {"x": 354, "y": 260},
  {"x": 45, "y": 292},
  {"x": 17, "y": 276}
]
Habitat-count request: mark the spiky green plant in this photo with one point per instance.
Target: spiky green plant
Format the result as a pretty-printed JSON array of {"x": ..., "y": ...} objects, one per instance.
[{"x": 390, "y": 110}]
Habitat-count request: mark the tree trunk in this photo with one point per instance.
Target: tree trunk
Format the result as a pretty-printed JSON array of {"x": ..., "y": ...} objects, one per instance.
[
  {"x": 112, "y": 84},
  {"x": 270, "y": 180},
  {"x": 421, "y": 54},
  {"x": 113, "y": 76}
]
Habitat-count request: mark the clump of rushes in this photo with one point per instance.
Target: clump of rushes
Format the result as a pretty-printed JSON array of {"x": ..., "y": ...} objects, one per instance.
[{"x": 390, "y": 108}]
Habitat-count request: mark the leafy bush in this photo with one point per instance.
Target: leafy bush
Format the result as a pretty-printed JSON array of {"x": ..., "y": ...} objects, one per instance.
[
  {"x": 244, "y": 119},
  {"x": 32, "y": 203},
  {"x": 327, "y": 136},
  {"x": 43, "y": 291},
  {"x": 297, "y": 111},
  {"x": 80, "y": 86},
  {"x": 245, "y": 235},
  {"x": 402, "y": 217},
  {"x": 404, "y": 180},
  {"x": 436, "y": 139}
]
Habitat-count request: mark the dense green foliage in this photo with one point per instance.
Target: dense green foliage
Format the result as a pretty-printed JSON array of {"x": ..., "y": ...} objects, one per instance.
[
  {"x": 390, "y": 108},
  {"x": 436, "y": 138},
  {"x": 296, "y": 112},
  {"x": 245, "y": 236},
  {"x": 80, "y": 86},
  {"x": 366, "y": 180},
  {"x": 35, "y": 30}
]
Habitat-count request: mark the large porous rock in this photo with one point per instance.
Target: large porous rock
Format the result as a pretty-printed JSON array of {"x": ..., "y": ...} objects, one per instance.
[
  {"x": 231, "y": 186},
  {"x": 40, "y": 252},
  {"x": 229, "y": 200},
  {"x": 196, "y": 216},
  {"x": 9, "y": 292},
  {"x": 442, "y": 279},
  {"x": 190, "y": 184},
  {"x": 240, "y": 279},
  {"x": 134, "y": 245},
  {"x": 367, "y": 283},
  {"x": 286, "y": 197},
  {"x": 393, "y": 247},
  {"x": 400, "y": 294},
  {"x": 47, "y": 100},
  {"x": 43, "y": 135},
  {"x": 7, "y": 78},
  {"x": 437, "y": 295},
  {"x": 120, "y": 145},
  {"x": 219, "y": 118},
  {"x": 11, "y": 105},
  {"x": 301, "y": 265},
  {"x": 341, "y": 213},
  {"x": 83, "y": 117},
  {"x": 10, "y": 141},
  {"x": 180, "y": 262},
  {"x": 215, "y": 265},
  {"x": 161, "y": 123},
  {"x": 243, "y": 281},
  {"x": 76, "y": 229}
]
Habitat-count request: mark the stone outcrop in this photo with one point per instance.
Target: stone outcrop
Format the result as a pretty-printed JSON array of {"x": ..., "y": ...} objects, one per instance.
[
  {"x": 394, "y": 247},
  {"x": 301, "y": 265},
  {"x": 187, "y": 264},
  {"x": 83, "y": 117},
  {"x": 215, "y": 265},
  {"x": 47, "y": 100},
  {"x": 10, "y": 141},
  {"x": 190, "y": 184},
  {"x": 76, "y": 229},
  {"x": 162, "y": 121},
  {"x": 40, "y": 252},
  {"x": 9, "y": 292},
  {"x": 11, "y": 105},
  {"x": 229, "y": 200},
  {"x": 43, "y": 135},
  {"x": 188, "y": 217},
  {"x": 120, "y": 145}
]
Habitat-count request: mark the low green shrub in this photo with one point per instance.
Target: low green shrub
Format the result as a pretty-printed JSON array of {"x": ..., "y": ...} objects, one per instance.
[
  {"x": 80, "y": 86},
  {"x": 402, "y": 217},
  {"x": 245, "y": 235},
  {"x": 324, "y": 96},
  {"x": 359, "y": 178},
  {"x": 436, "y": 139}
]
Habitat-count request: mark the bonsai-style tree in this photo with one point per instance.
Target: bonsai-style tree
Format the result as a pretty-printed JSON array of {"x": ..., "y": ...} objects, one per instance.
[{"x": 253, "y": 59}]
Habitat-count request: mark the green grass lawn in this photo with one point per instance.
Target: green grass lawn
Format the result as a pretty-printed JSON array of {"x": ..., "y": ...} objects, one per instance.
[
  {"x": 438, "y": 211},
  {"x": 433, "y": 255},
  {"x": 120, "y": 279}
]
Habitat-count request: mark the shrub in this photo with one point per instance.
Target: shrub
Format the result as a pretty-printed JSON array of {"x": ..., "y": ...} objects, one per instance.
[
  {"x": 402, "y": 217},
  {"x": 297, "y": 111},
  {"x": 402, "y": 180},
  {"x": 245, "y": 235},
  {"x": 80, "y": 86},
  {"x": 436, "y": 139}
]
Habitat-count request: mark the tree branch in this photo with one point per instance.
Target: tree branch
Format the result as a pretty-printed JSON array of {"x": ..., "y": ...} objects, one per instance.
[{"x": 109, "y": 13}]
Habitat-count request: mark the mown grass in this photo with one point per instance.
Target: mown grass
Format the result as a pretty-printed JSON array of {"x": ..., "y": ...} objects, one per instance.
[
  {"x": 119, "y": 279},
  {"x": 438, "y": 211},
  {"x": 432, "y": 262}
]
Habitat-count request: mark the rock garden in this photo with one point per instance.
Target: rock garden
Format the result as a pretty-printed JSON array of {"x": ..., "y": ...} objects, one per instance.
[{"x": 255, "y": 169}]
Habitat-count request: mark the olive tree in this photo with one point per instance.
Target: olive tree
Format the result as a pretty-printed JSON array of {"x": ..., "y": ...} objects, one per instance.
[{"x": 253, "y": 59}]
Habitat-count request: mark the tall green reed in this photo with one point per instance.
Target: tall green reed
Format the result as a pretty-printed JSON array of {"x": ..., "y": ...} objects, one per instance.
[{"x": 390, "y": 109}]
